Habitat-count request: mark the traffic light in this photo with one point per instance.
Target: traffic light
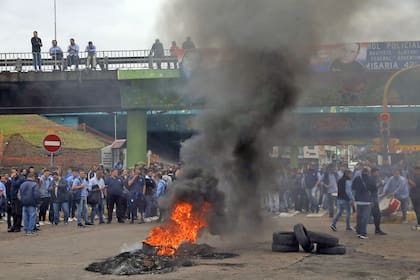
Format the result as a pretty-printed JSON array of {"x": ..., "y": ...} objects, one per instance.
[{"x": 384, "y": 119}]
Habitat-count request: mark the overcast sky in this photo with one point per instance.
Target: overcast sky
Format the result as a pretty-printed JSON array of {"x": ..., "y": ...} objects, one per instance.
[
  {"x": 110, "y": 24},
  {"x": 131, "y": 24}
]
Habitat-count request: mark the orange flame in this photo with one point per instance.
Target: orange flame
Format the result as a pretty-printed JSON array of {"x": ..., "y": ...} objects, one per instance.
[{"x": 183, "y": 225}]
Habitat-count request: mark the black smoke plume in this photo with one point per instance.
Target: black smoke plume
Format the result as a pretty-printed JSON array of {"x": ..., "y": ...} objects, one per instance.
[{"x": 249, "y": 87}]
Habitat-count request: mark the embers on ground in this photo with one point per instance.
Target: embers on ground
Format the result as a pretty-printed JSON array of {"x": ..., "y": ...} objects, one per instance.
[{"x": 146, "y": 261}]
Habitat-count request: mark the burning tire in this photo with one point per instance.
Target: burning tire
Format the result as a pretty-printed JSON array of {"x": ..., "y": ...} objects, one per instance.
[
  {"x": 336, "y": 250},
  {"x": 322, "y": 239},
  {"x": 284, "y": 248},
  {"x": 302, "y": 238},
  {"x": 285, "y": 238}
]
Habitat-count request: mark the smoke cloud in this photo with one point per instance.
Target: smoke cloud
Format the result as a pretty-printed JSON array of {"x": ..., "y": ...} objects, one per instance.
[{"x": 249, "y": 87}]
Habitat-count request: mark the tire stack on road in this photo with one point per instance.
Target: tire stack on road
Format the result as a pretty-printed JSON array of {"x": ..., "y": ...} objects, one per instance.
[{"x": 310, "y": 241}]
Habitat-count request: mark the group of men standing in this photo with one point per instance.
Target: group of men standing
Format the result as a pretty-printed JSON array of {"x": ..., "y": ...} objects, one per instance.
[
  {"x": 57, "y": 54},
  {"x": 132, "y": 193}
]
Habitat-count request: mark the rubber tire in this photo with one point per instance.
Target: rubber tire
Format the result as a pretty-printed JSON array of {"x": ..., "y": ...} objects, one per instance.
[
  {"x": 337, "y": 250},
  {"x": 302, "y": 238},
  {"x": 284, "y": 248},
  {"x": 285, "y": 238},
  {"x": 322, "y": 239}
]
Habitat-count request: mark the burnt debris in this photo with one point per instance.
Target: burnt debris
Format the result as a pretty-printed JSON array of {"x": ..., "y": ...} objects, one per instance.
[{"x": 146, "y": 260}]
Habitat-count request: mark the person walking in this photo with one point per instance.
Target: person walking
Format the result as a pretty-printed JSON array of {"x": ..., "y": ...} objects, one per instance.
[
  {"x": 36, "y": 43},
  {"x": 345, "y": 200},
  {"x": 29, "y": 196},
  {"x": 329, "y": 182}
]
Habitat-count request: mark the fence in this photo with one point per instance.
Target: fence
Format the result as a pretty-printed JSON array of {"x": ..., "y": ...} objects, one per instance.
[{"x": 106, "y": 60}]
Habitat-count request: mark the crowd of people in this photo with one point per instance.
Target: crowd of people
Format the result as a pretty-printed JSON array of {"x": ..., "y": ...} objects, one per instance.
[
  {"x": 157, "y": 53},
  {"x": 51, "y": 197},
  {"x": 341, "y": 190}
]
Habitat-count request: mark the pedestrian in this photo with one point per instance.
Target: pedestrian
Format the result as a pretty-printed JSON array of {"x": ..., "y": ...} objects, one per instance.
[
  {"x": 376, "y": 212},
  {"x": 312, "y": 180},
  {"x": 8, "y": 184},
  {"x": 72, "y": 194},
  {"x": 114, "y": 188},
  {"x": 44, "y": 184},
  {"x": 29, "y": 196},
  {"x": 60, "y": 198},
  {"x": 345, "y": 200},
  {"x": 414, "y": 182},
  {"x": 56, "y": 54},
  {"x": 329, "y": 182},
  {"x": 135, "y": 186},
  {"x": 160, "y": 194},
  {"x": 80, "y": 191},
  {"x": 158, "y": 53},
  {"x": 91, "y": 56},
  {"x": 73, "y": 54},
  {"x": 188, "y": 44},
  {"x": 397, "y": 186},
  {"x": 97, "y": 185},
  {"x": 36, "y": 51},
  {"x": 362, "y": 189},
  {"x": 17, "y": 179},
  {"x": 175, "y": 53},
  {"x": 149, "y": 194}
]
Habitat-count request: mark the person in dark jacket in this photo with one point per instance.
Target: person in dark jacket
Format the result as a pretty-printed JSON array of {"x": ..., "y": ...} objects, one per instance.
[
  {"x": 36, "y": 51},
  {"x": 59, "y": 197},
  {"x": 30, "y": 197},
  {"x": 362, "y": 187},
  {"x": 158, "y": 53},
  {"x": 8, "y": 184},
  {"x": 17, "y": 179},
  {"x": 345, "y": 200}
]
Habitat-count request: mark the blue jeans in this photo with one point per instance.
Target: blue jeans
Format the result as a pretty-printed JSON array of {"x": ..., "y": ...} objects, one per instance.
[
  {"x": 362, "y": 218},
  {"x": 36, "y": 60},
  {"x": 29, "y": 218},
  {"x": 149, "y": 206},
  {"x": 313, "y": 201},
  {"x": 343, "y": 205},
  {"x": 57, "y": 208},
  {"x": 98, "y": 209},
  {"x": 82, "y": 210}
]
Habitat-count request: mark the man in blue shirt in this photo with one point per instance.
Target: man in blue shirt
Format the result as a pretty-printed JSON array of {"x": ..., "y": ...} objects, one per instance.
[
  {"x": 397, "y": 185},
  {"x": 29, "y": 196},
  {"x": 73, "y": 54},
  {"x": 114, "y": 190},
  {"x": 80, "y": 186},
  {"x": 136, "y": 184},
  {"x": 56, "y": 54},
  {"x": 91, "y": 56},
  {"x": 44, "y": 184}
]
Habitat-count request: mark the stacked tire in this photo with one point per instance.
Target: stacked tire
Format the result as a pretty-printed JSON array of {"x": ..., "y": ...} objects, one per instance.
[{"x": 308, "y": 240}]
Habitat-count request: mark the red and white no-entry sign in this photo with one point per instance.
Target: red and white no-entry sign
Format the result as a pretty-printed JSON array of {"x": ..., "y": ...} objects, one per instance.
[{"x": 52, "y": 143}]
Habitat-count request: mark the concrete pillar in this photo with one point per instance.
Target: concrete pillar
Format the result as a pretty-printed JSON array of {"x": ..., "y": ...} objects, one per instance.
[
  {"x": 136, "y": 137},
  {"x": 294, "y": 156}
]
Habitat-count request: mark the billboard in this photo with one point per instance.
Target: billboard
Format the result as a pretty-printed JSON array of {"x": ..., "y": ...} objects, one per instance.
[{"x": 356, "y": 73}]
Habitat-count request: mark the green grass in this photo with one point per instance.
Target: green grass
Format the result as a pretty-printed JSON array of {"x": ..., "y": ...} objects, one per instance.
[{"x": 34, "y": 128}]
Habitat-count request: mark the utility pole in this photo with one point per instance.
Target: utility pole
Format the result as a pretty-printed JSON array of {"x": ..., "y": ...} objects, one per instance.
[{"x": 55, "y": 20}]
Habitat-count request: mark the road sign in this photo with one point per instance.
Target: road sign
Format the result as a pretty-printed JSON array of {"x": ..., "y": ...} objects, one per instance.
[
  {"x": 52, "y": 143},
  {"x": 384, "y": 116}
]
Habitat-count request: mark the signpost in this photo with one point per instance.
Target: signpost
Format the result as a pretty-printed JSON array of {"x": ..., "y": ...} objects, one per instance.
[{"x": 52, "y": 144}]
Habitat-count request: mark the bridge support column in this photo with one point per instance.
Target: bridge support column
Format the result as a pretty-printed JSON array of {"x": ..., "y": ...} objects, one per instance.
[{"x": 136, "y": 137}]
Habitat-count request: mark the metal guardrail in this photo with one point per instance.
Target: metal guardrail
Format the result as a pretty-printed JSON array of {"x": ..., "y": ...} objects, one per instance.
[{"x": 106, "y": 60}]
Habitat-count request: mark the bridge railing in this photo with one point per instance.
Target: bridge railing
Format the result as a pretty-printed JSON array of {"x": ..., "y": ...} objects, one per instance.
[{"x": 106, "y": 60}]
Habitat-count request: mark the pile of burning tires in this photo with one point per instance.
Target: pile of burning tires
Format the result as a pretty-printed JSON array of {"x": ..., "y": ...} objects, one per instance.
[{"x": 311, "y": 242}]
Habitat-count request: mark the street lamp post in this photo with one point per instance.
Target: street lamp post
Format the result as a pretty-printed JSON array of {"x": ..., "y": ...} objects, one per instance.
[{"x": 55, "y": 20}]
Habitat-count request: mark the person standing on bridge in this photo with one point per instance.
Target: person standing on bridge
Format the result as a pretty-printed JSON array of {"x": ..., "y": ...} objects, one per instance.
[
  {"x": 56, "y": 54},
  {"x": 188, "y": 44},
  {"x": 91, "y": 56},
  {"x": 73, "y": 54},
  {"x": 36, "y": 51},
  {"x": 158, "y": 53}
]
